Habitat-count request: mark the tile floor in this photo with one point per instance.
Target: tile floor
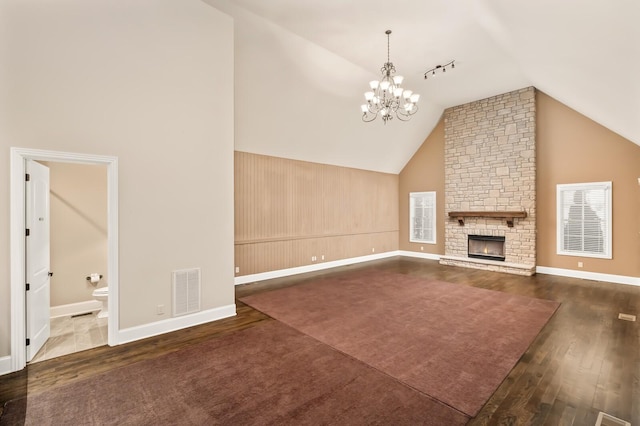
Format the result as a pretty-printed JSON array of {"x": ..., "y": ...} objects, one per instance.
[{"x": 73, "y": 334}]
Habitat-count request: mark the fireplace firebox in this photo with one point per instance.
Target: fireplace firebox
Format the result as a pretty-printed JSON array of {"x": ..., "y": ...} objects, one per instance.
[{"x": 486, "y": 247}]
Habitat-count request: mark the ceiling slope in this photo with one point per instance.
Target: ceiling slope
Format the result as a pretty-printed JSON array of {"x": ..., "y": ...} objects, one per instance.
[{"x": 302, "y": 67}]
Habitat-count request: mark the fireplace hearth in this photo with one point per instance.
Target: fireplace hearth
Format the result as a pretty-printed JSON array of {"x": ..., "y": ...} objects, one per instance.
[{"x": 486, "y": 247}]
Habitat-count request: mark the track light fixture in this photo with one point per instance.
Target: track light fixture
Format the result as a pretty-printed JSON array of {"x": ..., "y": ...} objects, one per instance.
[{"x": 439, "y": 68}]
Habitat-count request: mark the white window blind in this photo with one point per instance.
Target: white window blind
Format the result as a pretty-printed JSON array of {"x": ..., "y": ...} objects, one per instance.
[
  {"x": 422, "y": 217},
  {"x": 584, "y": 219}
]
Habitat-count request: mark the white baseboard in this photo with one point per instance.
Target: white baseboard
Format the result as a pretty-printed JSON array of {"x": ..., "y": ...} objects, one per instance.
[
  {"x": 5, "y": 365},
  {"x": 75, "y": 308},
  {"x": 245, "y": 279},
  {"x": 596, "y": 276},
  {"x": 419, "y": 254},
  {"x": 173, "y": 324}
]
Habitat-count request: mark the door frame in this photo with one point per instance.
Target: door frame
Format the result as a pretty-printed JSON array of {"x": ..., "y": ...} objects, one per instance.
[{"x": 18, "y": 157}]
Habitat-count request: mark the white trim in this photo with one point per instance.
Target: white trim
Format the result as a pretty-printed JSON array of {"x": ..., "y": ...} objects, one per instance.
[
  {"x": 245, "y": 279},
  {"x": 596, "y": 276},
  {"x": 17, "y": 243},
  {"x": 173, "y": 324},
  {"x": 18, "y": 157},
  {"x": 75, "y": 308},
  {"x": 420, "y": 255},
  {"x": 5, "y": 365}
]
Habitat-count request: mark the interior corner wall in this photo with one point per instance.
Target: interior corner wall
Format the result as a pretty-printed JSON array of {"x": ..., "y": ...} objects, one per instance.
[
  {"x": 424, "y": 172},
  {"x": 291, "y": 213},
  {"x": 574, "y": 149},
  {"x": 570, "y": 148},
  {"x": 78, "y": 200},
  {"x": 139, "y": 81},
  {"x": 286, "y": 87}
]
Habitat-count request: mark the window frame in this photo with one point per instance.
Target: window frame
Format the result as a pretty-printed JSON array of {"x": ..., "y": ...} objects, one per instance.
[
  {"x": 412, "y": 197},
  {"x": 607, "y": 220}
]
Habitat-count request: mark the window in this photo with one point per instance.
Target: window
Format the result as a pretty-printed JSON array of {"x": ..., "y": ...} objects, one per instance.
[
  {"x": 422, "y": 217},
  {"x": 584, "y": 219}
]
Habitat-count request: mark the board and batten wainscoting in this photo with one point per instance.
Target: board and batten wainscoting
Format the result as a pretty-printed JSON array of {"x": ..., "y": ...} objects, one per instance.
[{"x": 291, "y": 213}]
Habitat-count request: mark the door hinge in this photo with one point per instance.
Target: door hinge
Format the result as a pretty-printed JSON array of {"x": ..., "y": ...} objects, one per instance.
[
  {"x": 28, "y": 342},
  {"x": 28, "y": 287},
  {"x": 27, "y": 233},
  {"x": 27, "y": 177}
]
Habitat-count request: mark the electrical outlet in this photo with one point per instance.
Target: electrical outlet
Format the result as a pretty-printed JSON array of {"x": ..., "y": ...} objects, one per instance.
[
  {"x": 237, "y": 269},
  {"x": 422, "y": 248},
  {"x": 160, "y": 310},
  {"x": 373, "y": 250},
  {"x": 580, "y": 264},
  {"x": 313, "y": 258},
  {"x": 322, "y": 257}
]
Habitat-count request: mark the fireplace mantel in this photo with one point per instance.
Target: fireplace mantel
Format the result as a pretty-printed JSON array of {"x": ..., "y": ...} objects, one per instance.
[{"x": 508, "y": 215}]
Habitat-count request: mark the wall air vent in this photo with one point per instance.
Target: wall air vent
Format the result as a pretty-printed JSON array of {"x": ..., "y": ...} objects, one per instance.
[
  {"x": 186, "y": 291},
  {"x": 626, "y": 317},
  {"x": 605, "y": 419}
]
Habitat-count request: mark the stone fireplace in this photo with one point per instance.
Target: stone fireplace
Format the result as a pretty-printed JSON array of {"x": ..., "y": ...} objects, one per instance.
[{"x": 490, "y": 181}]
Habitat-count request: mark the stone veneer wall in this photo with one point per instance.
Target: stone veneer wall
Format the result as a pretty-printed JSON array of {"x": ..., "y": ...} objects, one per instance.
[{"x": 490, "y": 165}]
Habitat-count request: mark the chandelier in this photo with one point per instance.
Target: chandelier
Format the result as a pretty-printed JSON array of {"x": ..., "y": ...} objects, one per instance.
[{"x": 387, "y": 98}]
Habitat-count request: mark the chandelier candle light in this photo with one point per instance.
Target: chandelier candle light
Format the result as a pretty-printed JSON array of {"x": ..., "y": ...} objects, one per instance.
[{"x": 387, "y": 97}]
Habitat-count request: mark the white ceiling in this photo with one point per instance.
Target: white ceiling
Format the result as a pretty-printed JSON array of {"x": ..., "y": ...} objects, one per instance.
[{"x": 585, "y": 53}]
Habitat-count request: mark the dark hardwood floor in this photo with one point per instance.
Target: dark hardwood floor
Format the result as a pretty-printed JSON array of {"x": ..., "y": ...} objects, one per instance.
[{"x": 584, "y": 361}]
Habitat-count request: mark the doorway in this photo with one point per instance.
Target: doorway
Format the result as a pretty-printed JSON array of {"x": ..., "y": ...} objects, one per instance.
[
  {"x": 19, "y": 310},
  {"x": 77, "y": 230}
]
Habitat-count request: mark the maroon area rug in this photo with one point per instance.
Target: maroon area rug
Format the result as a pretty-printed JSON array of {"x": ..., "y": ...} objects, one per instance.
[
  {"x": 267, "y": 374},
  {"x": 453, "y": 342}
]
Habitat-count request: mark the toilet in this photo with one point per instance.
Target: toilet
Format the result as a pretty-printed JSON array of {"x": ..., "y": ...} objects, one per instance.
[{"x": 102, "y": 294}]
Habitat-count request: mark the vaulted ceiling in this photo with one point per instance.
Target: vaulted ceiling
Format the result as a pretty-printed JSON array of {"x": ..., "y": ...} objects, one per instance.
[{"x": 585, "y": 54}]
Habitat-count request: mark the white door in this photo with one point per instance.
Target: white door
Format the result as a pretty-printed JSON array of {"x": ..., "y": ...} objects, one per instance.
[{"x": 37, "y": 257}]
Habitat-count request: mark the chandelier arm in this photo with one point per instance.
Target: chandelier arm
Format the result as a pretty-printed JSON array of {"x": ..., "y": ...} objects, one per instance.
[
  {"x": 402, "y": 116},
  {"x": 364, "y": 117}
]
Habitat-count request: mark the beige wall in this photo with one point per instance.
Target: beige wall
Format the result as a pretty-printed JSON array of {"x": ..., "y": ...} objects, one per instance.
[
  {"x": 570, "y": 149},
  {"x": 78, "y": 230},
  {"x": 424, "y": 172},
  {"x": 575, "y": 149},
  {"x": 150, "y": 82},
  {"x": 288, "y": 211},
  {"x": 284, "y": 230}
]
